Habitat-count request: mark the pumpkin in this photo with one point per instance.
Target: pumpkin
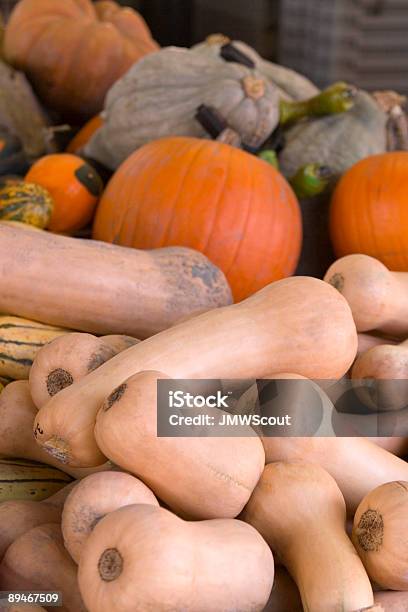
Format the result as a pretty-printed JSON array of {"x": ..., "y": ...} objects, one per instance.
[
  {"x": 20, "y": 341},
  {"x": 143, "y": 557},
  {"x": 84, "y": 289},
  {"x": 300, "y": 511},
  {"x": 385, "y": 368},
  {"x": 378, "y": 298},
  {"x": 119, "y": 342},
  {"x": 63, "y": 361},
  {"x": 233, "y": 207},
  {"x": 98, "y": 43},
  {"x": 378, "y": 530},
  {"x": 84, "y": 134},
  {"x": 199, "y": 477},
  {"x": 368, "y": 211},
  {"x": 17, "y": 412},
  {"x": 38, "y": 561},
  {"x": 161, "y": 95},
  {"x": 94, "y": 497},
  {"x": 301, "y": 325},
  {"x": 356, "y": 464},
  {"x": 74, "y": 186},
  {"x": 27, "y": 203},
  {"x": 291, "y": 84}
]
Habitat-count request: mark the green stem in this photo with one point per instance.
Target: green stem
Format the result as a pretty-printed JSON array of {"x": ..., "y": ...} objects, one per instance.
[
  {"x": 335, "y": 99},
  {"x": 310, "y": 180},
  {"x": 269, "y": 155}
]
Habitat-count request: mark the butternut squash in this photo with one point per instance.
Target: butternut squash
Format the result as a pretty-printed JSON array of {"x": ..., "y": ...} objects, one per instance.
[
  {"x": 300, "y": 511},
  {"x": 20, "y": 341},
  {"x": 38, "y": 561},
  {"x": 285, "y": 594},
  {"x": 380, "y": 376},
  {"x": 356, "y": 464},
  {"x": 198, "y": 477},
  {"x": 22, "y": 479},
  {"x": 17, "y": 413},
  {"x": 24, "y": 608},
  {"x": 379, "y": 535},
  {"x": 397, "y": 445},
  {"x": 392, "y": 601},
  {"x": 119, "y": 342},
  {"x": 94, "y": 497},
  {"x": 104, "y": 289},
  {"x": 299, "y": 324},
  {"x": 142, "y": 557},
  {"x": 378, "y": 298},
  {"x": 368, "y": 341},
  {"x": 64, "y": 361}
]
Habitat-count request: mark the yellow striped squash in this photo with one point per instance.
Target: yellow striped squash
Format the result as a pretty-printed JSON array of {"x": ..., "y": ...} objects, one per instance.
[{"x": 23, "y": 479}]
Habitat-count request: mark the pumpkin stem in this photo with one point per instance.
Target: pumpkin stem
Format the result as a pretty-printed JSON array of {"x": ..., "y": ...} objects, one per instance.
[
  {"x": 58, "y": 448},
  {"x": 217, "y": 39},
  {"x": 335, "y": 99},
  {"x": 310, "y": 180},
  {"x": 57, "y": 380},
  {"x": 254, "y": 87},
  {"x": 270, "y": 156},
  {"x": 231, "y": 54},
  {"x": 370, "y": 530},
  {"x": 110, "y": 564}
]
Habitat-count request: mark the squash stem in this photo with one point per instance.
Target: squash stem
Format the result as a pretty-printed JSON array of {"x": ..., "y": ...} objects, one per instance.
[
  {"x": 310, "y": 180},
  {"x": 335, "y": 99}
]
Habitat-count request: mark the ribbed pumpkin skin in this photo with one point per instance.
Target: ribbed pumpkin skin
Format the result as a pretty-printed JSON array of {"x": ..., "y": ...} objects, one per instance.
[
  {"x": 73, "y": 51},
  {"x": 236, "y": 209},
  {"x": 369, "y": 210}
]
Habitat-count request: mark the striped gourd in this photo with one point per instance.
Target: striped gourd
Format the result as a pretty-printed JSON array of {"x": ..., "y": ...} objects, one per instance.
[
  {"x": 26, "y": 202},
  {"x": 23, "y": 479},
  {"x": 20, "y": 340}
]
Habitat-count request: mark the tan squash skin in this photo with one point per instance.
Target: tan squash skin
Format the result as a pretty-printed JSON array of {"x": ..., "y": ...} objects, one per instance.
[
  {"x": 93, "y": 498},
  {"x": 379, "y": 532},
  {"x": 17, "y": 414},
  {"x": 38, "y": 561},
  {"x": 388, "y": 366},
  {"x": 119, "y": 342},
  {"x": 392, "y": 601},
  {"x": 101, "y": 288},
  {"x": 356, "y": 464},
  {"x": 171, "y": 564},
  {"x": 198, "y": 477},
  {"x": 18, "y": 517},
  {"x": 298, "y": 324},
  {"x": 395, "y": 445},
  {"x": 285, "y": 594},
  {"x": 368, "y": 341},
  {"x": 300, "y": 511},
  {"x": 378, "y": 298},
  {"x": 62, "y": 362},
  {"x": 24, "y": 608}
]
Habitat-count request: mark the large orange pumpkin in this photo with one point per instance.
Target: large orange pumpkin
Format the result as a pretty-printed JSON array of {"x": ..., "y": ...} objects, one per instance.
[
  {"x": 73, "y": 51},
  {"x": 369, "y": 210},
  {"x": 230, "y": 205}
]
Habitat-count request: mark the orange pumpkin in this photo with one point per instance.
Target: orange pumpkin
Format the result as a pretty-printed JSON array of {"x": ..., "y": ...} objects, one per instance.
[
  {"x": 73, "y": 185},
  {"x": 84, "y": 134},
  {"x": 73, "y": 51},
  {"x": 233, "y": 207},
  {"x": 369, "y": 210}
]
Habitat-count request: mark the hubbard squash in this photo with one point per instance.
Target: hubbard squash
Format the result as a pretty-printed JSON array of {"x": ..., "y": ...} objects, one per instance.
[
  {"x": 381, "y": 377},
  {"x": 144, "y": 558},
  {"x": 99, "y": 42},
  {"x": 63, "y": 361},
  {"x": 27, "y": 203},
  {"x": 300, "y": 511},
  {"x": 38, "y": 561},
  {"x": 20, "y": 341},
  {"x": 378, "y": 535},
  {"x": 356, "y": 464},
  {"x": 231, "y": 206},
  {"x": 85, "y": 133},
  {"x": 299, "y": 324},
  {"x": 369, "y": 213},
  {"x": 104, "y": 289},
  {"x": 94, "y": 497},
  {"x": 74, "y": 186},
  {"x": 199, "y": 477},
  {"x": 17, "y": 413},
  {"x": 378, "y": 298}
]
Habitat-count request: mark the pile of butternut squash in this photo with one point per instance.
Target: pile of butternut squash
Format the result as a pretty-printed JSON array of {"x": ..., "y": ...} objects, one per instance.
[{"x": 136, "y": 522}]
